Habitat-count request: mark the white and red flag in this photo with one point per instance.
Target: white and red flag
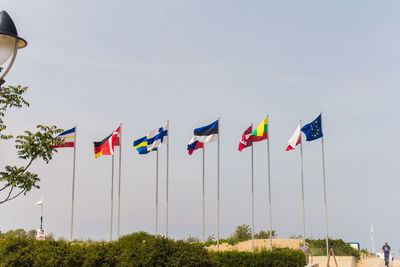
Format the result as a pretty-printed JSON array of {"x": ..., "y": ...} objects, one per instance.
[
  {"x": 244, "y": 141},
  {"x": 295, "y": 139}
]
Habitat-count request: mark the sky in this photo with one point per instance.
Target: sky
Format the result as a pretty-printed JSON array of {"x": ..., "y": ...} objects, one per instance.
[{"x": 96, "y": 64}]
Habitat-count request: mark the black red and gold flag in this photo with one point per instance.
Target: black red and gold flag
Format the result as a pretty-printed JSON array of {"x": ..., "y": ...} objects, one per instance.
[{"x": 106, "y": 146}]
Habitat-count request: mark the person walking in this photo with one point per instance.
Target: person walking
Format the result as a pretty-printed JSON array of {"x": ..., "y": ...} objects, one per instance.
[{"x": 386, "y": 253}]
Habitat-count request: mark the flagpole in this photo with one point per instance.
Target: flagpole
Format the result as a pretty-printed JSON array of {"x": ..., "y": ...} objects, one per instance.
[
  {"x": 112, "y": 196},
  {"x": 41, "y": 216},
  {"x": 324, "y": 181},
  {"x": 269, "y": 184},
  {"x": 166, "y": 195},
  {"x": 252, "y": 198},
  {"x": 218, "y": 170},
  {"x": 302, "y": 187},
  {"x": 157, "y": 193},
  {"x": 73, "y": 186},
  {"x": 204, "y": 210},
  {"x": 119, "y": 178}
]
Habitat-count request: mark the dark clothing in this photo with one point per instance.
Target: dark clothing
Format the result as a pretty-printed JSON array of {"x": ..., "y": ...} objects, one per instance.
[{"x": 386, "y": 249}]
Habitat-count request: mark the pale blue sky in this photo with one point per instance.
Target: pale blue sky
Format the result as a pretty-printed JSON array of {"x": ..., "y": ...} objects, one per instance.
[{"x": 95, "y": 64}]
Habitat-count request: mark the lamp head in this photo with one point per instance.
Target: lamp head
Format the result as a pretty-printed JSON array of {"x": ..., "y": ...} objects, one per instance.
[{"x": 8, "y": 37}]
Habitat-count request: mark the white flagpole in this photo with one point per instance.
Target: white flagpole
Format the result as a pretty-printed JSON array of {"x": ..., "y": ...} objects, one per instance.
[
  {"x": 324, "y": 180},
  {"x": 372, "y": 238},
  {"x": 302, "y": 187},
  {"x": 252, "y": 198},
  {"x": 166, "y": 195},
  {"x": 204, "y": 209},
  {"x": 269, "y": 183},
  {"x": 112, "y": 196},
  {"x": 73, "y": 186},
  {"x": 218, "y": 219},
  {"x": 157, "y": 192},
  {"x": 119, "y": 179}
]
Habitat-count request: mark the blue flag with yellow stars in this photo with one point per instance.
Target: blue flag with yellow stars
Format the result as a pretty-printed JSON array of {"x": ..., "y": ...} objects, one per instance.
[{"x": 313, "y": 130}]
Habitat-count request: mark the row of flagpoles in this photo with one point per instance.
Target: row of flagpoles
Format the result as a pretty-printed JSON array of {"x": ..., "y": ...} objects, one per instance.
[{"x": 209, "y": 133}]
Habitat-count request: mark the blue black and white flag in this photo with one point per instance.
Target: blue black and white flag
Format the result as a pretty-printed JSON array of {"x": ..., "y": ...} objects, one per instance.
[{"x": 202, "y": 135}]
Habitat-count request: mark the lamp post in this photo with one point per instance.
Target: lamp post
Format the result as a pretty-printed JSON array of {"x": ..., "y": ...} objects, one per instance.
[
  {"x": 10, "y": 42},
  {"x": 40, "y": 203}
]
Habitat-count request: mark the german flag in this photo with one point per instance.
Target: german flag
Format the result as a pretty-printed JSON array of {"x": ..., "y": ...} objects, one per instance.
[{"x": 106, "y": 146}]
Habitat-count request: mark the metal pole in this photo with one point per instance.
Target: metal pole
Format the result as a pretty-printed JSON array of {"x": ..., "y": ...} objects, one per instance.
[
  {"x": 41, "y": 217},
  {"x": 166, "y": 195},
  {"x": 157, "y": 193},
  {"x": 372, "y": 238},
  {"x": 218, "y": 219},
  {"x": 252, "y": 199},
  {"x": 119, "y": 179},
  {"x": 324, "y": 181},
  {"x": 73, "y": 187},
  {"x": 204, "y": 210},
  {"x": 302, "y": 187},
  {"x": 112, "y": 196},
  {"x": 269, "y": 185}
]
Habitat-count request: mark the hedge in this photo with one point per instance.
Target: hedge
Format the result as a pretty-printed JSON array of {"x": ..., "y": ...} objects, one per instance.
[
  {"x": 138, "y": 249},
  {"x": 275, "y": 258}
]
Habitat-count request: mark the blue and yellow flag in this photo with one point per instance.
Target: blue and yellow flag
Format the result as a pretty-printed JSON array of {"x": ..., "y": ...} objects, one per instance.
[
  {"x": 141, "y": 146},
  {"x": 313, "y": 130}
]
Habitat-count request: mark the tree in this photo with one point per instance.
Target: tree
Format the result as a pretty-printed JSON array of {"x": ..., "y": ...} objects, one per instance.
[
  {"x": 14, "y": 180},
  {"x": 242, "y": 232},
  {"x": 265, "y": 235},
  {"x": 192, "y": 239},
  {"x": 292, "y": 236}
]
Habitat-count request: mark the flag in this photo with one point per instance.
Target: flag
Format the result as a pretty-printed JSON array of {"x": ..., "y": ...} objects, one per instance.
[
  {"x": 295, "y": 139},
  {"x": 202, "y": 135},
  {"x": 106, "y": 146},
  {"x": 152, "y": 140},
  {"x": 261, "y": 132},
  {"x": 68, "y": 137},
  {"x": 313, "y": 130},
  {"x": 157, "y": 137},
  {"x": 194, "y": 146},
  {"x": 141, "y": 145},
  {"x": 244, "y": 141}
]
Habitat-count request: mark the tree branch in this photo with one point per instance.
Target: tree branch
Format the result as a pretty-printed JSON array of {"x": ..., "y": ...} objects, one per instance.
[{"x": 8, "y": 199}]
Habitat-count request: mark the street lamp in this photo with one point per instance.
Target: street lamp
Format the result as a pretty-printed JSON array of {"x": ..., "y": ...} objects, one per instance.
[{"x": 10, "y": 42}]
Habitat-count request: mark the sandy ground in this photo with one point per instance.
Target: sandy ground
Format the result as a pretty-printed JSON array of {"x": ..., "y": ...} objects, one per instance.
[
  {"x": 259, "y": 244},
  {"x": 376, "y": 262}
]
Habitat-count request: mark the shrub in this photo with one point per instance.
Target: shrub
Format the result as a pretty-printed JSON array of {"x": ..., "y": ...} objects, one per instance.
[
  {"x": 340, "y": 248},
  {"x": 138, "y": 249},
  {"x": 275, "y": 258}
]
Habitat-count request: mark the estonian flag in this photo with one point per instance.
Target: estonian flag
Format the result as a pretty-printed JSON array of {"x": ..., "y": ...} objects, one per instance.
[{"x": 202, "y": 135}]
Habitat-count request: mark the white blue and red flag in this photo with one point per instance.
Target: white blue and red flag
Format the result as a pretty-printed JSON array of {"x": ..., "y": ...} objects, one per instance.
[{"x": 68, "y": 137}]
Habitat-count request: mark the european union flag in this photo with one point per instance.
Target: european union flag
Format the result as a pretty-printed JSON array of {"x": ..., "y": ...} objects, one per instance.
[{"x": 313, "y": 130}]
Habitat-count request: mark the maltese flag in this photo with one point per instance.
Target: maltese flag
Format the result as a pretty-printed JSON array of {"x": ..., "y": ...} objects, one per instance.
[{"x": 295, "y": 139}]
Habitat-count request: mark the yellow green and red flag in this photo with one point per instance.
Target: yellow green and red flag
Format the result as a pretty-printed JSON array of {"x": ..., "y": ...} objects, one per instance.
[{"x": 261, "y": 132}]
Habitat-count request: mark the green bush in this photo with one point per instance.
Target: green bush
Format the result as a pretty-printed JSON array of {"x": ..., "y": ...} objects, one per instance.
[
  {"x": 340, "y": 248},
  {"x": 138, "y": 249},
  {"x": 275, "y": 258}
]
